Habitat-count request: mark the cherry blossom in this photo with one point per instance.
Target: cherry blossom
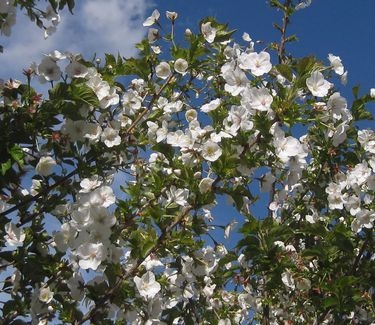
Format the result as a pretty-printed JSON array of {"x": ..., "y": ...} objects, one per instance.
[
  {"x": 317, "y": 84},
  {"x": 211, "y": 151},
  {"x": 49, "y": 70},
  {"x": 15, "y": 236},
  {"x": 147, "y": 285},
  {"x": 208, "y": 32},
  {"x": 90, "y": 255},
  {"x": 45, "y": 166},
  {"x": 163, "y": 70},
  {"x": 257, "y": 63},
  {"x": 180, "y": 66},
  {"x": 152, "y": 19}
]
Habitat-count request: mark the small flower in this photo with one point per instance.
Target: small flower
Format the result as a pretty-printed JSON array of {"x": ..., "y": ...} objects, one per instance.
[
  {"x": 211, "y": 106},
  {"x": 91, "y": 255},
  {"x": 177, "y": 195},
  {"x": 258, "y": 63},
  {"x": 191, "y": 115},
  {"x": 209, "y": 33},
  {"x": 287, "y": 279},
  {"x": 153, "y": 35},
  {"x": 14, "y": 236},
  {"x": 205, "y": 185},
  {"x": 211, "y": 151},
  {"x": 172, "y": 15},
  {"x": 318, "y": 85},
  {"x": 45, "y": 295},
  {"x": 152, "y": 19},
  {"x": 147, "y": 286},
  {"x": 180, "y": 66},
  {"x": 45, "y": 166},
  {"x": 336, "y": 64},
  {"x": 372, "y": 92},
  {"x": 76, "y": 70},
  {"x": 49, "y": 70},
  {"x": 163, "y": 70},
  {"x": 110, "y": 137}
]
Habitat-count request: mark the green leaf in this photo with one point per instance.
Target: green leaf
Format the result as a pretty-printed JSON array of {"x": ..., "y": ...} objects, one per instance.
[
  {"x": 330, "y": 302},
  {"x": 285, "y": 71},
  {"x": 359, "y": 111},
  {"x": 17, "y": 154},
  {"x": 6, "y": 166},
  {"x": 139, "y": 67},
  {"x": 85, "y": 94},
  {"x": 223, "y": 35}
]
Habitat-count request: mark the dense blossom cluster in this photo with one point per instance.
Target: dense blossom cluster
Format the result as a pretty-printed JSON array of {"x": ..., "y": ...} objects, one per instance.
[{"x": 130, "y": 171}]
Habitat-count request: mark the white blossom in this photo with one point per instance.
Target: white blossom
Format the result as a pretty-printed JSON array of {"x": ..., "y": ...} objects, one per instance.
[
  {"x": 45, "y": 295},
  {"x": 91, "y": 255},
  {"x": 211, "y": 151},
  {"x": 336, "y": 64},
  {"x": 257, "y": 63},
  {"x": 209, "y": 32},
  {"x": 152, "y": 19},
  {"x": 147, "y": 285},
  {"x": 180, "y": 66},
  {"x": 211, "y": 106},
  {"x": 317, "y": 85},
  {"x": 15, "y": 236},
  {"x": 45, "y": 166},
  {"x": 163, "y": 70}
]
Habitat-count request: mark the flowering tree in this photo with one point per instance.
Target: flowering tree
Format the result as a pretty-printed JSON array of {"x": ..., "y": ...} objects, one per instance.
[{"x": 186, "y": 124}]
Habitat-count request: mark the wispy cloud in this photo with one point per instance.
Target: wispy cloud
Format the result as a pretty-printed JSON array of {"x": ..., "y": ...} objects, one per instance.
[{"x": 97, "y": 26}]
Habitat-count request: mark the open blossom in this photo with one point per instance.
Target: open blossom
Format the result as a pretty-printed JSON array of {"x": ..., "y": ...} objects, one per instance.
[
  {"x": 147, "y": 285},
  {"x": 364, "y": 219},
  {"x": 177, "y": 195},
  {"x": 91, "y": 255},
  {"x": 336, "y": 64},
  {"x": 110, "y": 137},
  {"x": 288, "y": 280},
  {"x": 236, "y": 80},
  {"x": 317, "y": 84},
  {"x": 45, "y": 295},
  {"x": 152, "y": 19},
  {"x": 15, "y": 236},
  {"x": 102, "y": 196},
  {"x": 205, "y": 185},
  {"x": 180, "y": 66},
  {"x": 211, "y": 106},
  {"x": 172, "y": 15},
  {"x": 335, "y": 198},
  {"x": 153, "y": 35},
  {"x": 76, "y": 70},
  {"x": 45, "y": 166},
  {"x": 89, "y": 184},
  {"x": 211, "y": 151},
  {"x": 163, "y": 70},
  {"x": 259, "y": 99},
  {"x": 49, "y": 70},
  {"x": 288, "y": 148},
  {"x": 257, "y": 63},
  {"x": 209, "y": 32}
]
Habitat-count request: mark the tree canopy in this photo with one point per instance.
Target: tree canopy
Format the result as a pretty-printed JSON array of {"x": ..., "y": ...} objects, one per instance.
[{"x": 110, "y": 181}]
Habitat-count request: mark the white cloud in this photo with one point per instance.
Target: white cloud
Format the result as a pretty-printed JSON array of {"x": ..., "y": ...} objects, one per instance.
[{"x": 97, "y": 26}]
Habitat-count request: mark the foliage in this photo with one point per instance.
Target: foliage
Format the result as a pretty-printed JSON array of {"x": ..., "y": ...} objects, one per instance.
[{"x": 109, "y": 184}]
